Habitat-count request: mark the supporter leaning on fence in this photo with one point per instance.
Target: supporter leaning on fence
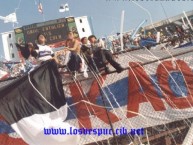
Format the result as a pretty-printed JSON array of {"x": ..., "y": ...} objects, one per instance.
[
  {"x": 102, "y": 56},
  {"x": 87, "y": 54}
]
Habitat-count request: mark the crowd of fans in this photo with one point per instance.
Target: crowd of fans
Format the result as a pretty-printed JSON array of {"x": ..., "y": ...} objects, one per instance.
[
  {"x": 92, "y": 54},
  {"x": 172, "y": 34}
]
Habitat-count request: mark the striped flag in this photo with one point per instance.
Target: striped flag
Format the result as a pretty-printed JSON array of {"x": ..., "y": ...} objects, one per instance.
[
  {"x": 40, "y": 8},
  {"x": 64, "y": 8}
]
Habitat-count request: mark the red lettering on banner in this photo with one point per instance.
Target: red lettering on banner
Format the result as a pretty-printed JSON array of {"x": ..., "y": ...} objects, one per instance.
[
  {"x": 82, "y": 108},
  {"x": 135, "y": 96},
  {"x": 163, "y": 76}
]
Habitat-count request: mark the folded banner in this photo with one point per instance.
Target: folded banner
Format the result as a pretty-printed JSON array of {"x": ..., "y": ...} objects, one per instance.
[{"x": 35, "y": 102}]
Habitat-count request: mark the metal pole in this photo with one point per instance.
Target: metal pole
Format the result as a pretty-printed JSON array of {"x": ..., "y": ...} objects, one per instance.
[
  {"x": 121, "y": 29},
  {"x": 91, "y": 24}
]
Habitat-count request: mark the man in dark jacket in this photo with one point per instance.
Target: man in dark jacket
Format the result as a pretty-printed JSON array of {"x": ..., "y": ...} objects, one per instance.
[
  {"x": 87, "y": 54},
  {"x": 102, "y": 56}
]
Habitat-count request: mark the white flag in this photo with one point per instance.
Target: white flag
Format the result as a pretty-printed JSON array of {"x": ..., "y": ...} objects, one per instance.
[{"x": 11, "y": 18}]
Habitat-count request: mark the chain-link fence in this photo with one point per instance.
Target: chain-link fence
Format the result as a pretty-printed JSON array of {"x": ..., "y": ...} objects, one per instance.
[{"x": 84, "y": 110}]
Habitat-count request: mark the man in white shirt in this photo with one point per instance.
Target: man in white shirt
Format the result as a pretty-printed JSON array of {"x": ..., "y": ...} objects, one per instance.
[{"x": 44, "y": 51}]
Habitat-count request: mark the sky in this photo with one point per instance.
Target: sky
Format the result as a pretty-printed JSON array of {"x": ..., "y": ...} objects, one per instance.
[{"x": 106, "y": 14}]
